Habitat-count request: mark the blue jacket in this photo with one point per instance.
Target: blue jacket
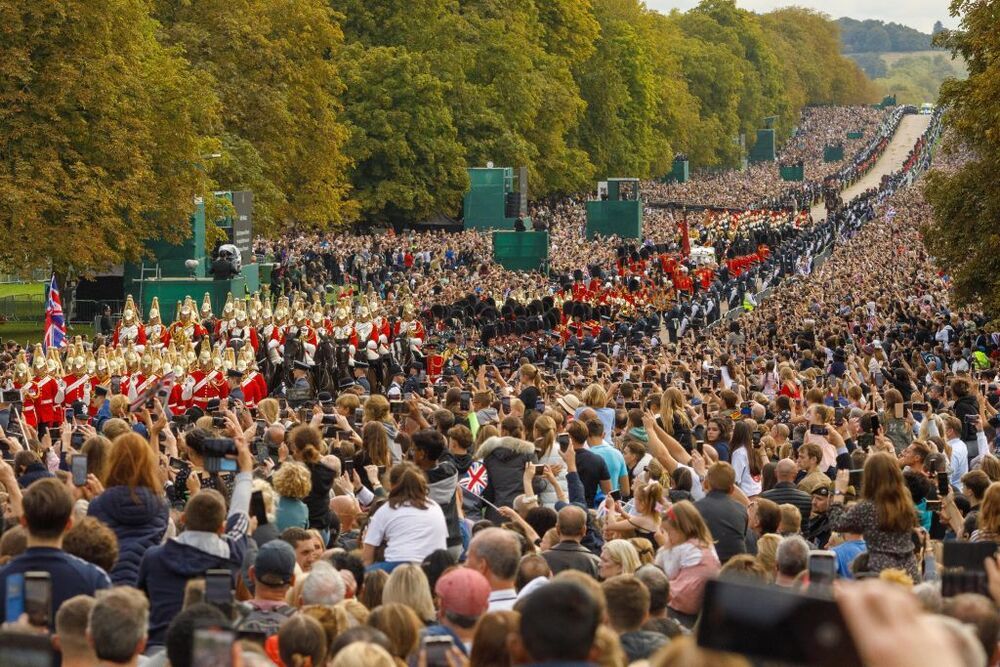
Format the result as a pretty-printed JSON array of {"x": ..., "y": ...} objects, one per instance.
[
  {"x": 165, "y": 569},
  {"x": 70, "y": 575},
  {"x": 139, "y": 521}
]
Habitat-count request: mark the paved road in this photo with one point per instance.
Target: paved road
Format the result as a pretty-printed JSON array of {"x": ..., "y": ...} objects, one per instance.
[{"x": 909, "y": 130}]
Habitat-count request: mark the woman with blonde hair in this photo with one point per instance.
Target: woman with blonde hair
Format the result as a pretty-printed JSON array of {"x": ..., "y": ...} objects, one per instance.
[
  {"x": 688, "y": 558},
  {"x": 618, "y": 557},
  {"x": 408, "y": 585},
  {"x": 292, "y": 482},
  {"x": 531, "y": 386},
  {"x": 377, "y": 410},
  {"x": 269, "y": 410},
  {"x": 674, "y": 417},
  {"x": 595, "y": 398},
  {"x": 363, "y": 654},
  {"x": 989, "y": 465},
  {"x": 400, "y": 624},
  {"x": 767, "y": 551},
  {"x": 547, "y": 451}
]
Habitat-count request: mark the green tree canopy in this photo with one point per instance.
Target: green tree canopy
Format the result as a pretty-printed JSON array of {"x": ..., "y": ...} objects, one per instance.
[{"x": 102, "y": 132}]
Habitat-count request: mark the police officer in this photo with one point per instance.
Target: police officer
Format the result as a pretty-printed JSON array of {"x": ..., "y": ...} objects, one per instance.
[
  {"x": 360, "y": 375},
  {"x": 234, "y": 378},
  {"x": 300, "y": 375},
  {"x": 395, "y": 390}
]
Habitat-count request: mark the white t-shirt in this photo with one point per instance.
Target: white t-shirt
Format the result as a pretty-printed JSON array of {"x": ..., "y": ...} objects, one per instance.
[
  {"x": 410, "y": 534},
  {"x": 741, "y": 466}
]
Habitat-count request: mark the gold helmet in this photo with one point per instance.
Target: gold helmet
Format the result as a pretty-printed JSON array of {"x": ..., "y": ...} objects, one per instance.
[
  {"x": 409, "y": 312},
  {"x": 186, "y": 312},
  {"x": 154, "y": 311},
  {"x": 206, "y": 306},
  {"x": 205, "y": 355},
  {"x": 76, "y": 360},
  {"x": 131, "y": 358},
  {"x": 102, "y": 365},
  {"x": 53, "y": 364},
  {"x": 22, "y": 372},
  {"x": 227, "y": 309},
  {"x": 217, "y": 362},
  {"x": 38, "y": 365},
  {"x": 242, "y": 319},
  {"x": 129, "y": 316},
  {"x": 364, "y": 314},
  {"x": 91, "y": 363},
  {"x": 229, "y": 360},
  {"x": 281, "y": 311},
  {"x": 318, "y": 314},
  {"x": 146, "y": 363},
  {"x": 301, "y": 317}
]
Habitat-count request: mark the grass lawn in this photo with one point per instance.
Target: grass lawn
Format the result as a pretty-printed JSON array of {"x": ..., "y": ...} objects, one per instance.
[
  {"x": 25, "y": 333},
  {"x": 14, "y": 289}
]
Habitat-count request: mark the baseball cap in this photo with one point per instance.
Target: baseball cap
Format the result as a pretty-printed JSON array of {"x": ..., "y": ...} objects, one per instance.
[
  {"x": 275, "y": 563},
  {"x": 463, "y": 591},
  {"x": 822, "y": 491}
]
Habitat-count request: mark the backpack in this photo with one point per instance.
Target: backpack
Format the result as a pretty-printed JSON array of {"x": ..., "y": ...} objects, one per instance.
[
  {"x": 898, "y": 432},
  {"x": 265, "y": 622}
]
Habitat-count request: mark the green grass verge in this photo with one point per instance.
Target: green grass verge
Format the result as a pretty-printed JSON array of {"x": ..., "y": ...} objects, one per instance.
[{"x": 17, "y": 289}]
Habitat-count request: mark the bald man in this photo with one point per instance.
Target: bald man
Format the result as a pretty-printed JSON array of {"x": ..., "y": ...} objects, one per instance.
[
  {"x": 347, "y": 510},
  {"x": 569, "y": 554},
  {"x": 785, "y": 490}
]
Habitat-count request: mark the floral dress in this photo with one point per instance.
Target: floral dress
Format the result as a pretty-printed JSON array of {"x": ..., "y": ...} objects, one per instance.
[{"x": 885, "y": 549}]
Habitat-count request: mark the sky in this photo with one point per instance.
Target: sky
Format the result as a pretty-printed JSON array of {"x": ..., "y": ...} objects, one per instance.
[{"x": 919, "y": 14}]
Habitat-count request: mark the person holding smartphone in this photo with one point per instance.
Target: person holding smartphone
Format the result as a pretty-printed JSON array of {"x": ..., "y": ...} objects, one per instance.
[{"x": 47, "y": 516}]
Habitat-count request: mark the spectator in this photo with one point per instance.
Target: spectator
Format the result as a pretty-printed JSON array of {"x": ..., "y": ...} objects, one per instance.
[
  {"x": 569, "y": 554},
  {"x": 132, "y": 504},
  {"x": 293, "y": 482},
  {"x": 785, "y": 491},
  {"x": 411, "y": 524},
  {"x": 725, "y": 518},
  {"x": 272, "y": 575},
  {"x": 563, "y": 605},
  {"x": 117, "y": 628},
  {"x": 688, "y": 558},
  {"x": 408, "y": 585},
  {"x": 47, "y": 509},
  {"x": 71, "y": 632},
  {"x": 323, "y": 586},
  {"x": 791, "y": 561},
  {"x": 307, "y": 551},
  {"x": 495, "y": 553},
  {"x": 212, "y": 539},
  {"x": 628, "y": 610},
  {"x": 463, "y": 597}
]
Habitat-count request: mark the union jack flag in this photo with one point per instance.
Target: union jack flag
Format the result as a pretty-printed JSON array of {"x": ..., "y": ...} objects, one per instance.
[
  {"x": 475, "y": 480},
  {"x": 55, "y": 323}
]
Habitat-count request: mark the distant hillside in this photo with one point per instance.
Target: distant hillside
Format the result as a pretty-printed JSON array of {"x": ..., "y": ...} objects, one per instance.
[{"x": 874, "y": 36}]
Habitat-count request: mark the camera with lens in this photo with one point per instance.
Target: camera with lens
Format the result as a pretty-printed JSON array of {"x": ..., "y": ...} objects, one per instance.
[{"x": 215, "y": 451}]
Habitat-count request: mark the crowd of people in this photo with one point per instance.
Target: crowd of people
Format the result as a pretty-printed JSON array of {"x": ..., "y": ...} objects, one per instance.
[{"x": 609, "y": 487}]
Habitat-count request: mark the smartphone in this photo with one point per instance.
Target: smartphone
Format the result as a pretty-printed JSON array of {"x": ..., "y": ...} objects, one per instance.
[
  {"x": 876, "y": 426},
  {"x": 505, "y": 403},
  {"x": 359, "y": 415},
  {"x": 822, "y": 568},
  {"x": 25, "y": 649},
  {"x": 70, "y": 415},
  {"x": 838, "y": 416},
  {"x": 348, "y": 467},
  {"x": 219, "y": 588},
  {"x": 699, "y": 446},
  {"x": 14, "y": 597},
  {"x": 943, "y": 484},
  {"x": 38, "y": 598},
  {"x": 855, "y": 479},
  {"x": 898, "y": 408},
  {"x": 218, "y": 421},
  {"x": 563, "y": 440},
  {"x": 178, "y": 464},
  {"x": 397, "y": 407},
  {"x": 262, "y": 451},
  {"x": 212, "y": 647},
  {"x": 756, "y": 436},
  {"x": 818, "y": 429},
  {"x": 79, "y": 469},
  {"x": 12, "y": 396},
  {"x": 775, "y": 624},
  {"x": 963, "y": 569},
  {"x": 436, "y": 648},
  {"x": 261, "y": 427},
  {"x": 921, "y": 407},
  {"x": 465, "y": 401},
  {"x": 257, "y": 508}
]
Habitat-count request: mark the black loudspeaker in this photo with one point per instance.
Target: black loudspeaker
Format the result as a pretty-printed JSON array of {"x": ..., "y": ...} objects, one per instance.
[{"x": 512, "y": 205}]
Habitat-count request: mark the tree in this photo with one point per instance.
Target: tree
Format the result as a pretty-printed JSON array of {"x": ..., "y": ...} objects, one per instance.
[
  {"x": 272, "y": 64},
  {"x": 965, "y": 232},
  {"x": 408, "y": 163},
  {"x": 87, "y": 99}
]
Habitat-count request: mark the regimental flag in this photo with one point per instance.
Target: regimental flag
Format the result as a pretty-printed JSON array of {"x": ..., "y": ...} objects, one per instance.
[
  {"x": 475, "y": 480},
  {"x": 55, "y": 323}
]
